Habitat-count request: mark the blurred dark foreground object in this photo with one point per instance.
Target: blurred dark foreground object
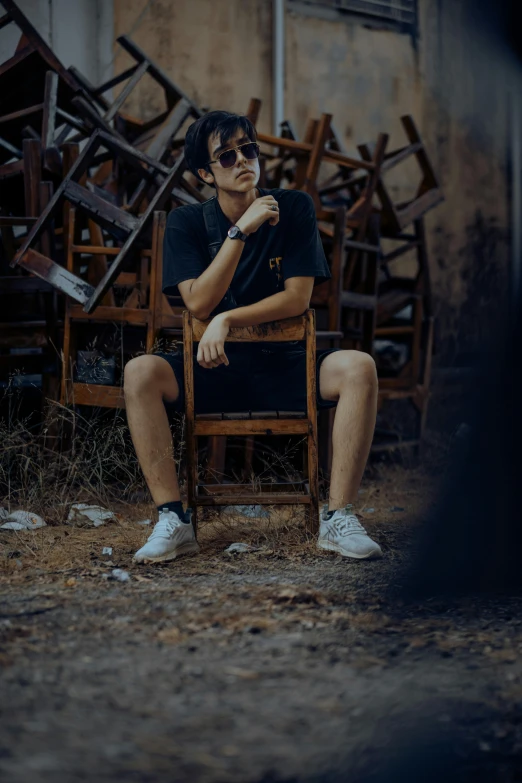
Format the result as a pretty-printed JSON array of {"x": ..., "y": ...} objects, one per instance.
[{"x": 472, "y": 540}]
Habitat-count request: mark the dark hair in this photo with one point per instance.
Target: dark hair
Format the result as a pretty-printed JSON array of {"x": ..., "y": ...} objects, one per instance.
[{"x": 224, "y": 125}]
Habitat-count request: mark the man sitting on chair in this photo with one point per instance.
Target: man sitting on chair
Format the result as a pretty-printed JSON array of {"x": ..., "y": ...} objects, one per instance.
[{"x": 262, "y": 269}]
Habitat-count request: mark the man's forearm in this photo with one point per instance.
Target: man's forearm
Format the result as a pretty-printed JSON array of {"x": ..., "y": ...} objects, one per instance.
[
  {"x": 285, "y": 304},
  {"x": 210, "y": 287}
]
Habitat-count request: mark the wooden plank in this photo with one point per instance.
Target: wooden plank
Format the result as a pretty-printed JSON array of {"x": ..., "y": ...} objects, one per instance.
[
  {"x": 275, "y": 331},
  {"x": 173, "y": 92},
  {"x": 98, "y": 91},
  {"x": 419, "y": 207},
  {"x": 32, "y": 176},
  {"x": 252, "y": 427},
  {"x": 358, "y": 301},
  {"x": 56, "y": 275},
  {"x": 104, "y": 212},
  {"x": 130, "y": 315},
  {"x": 94, "y": 250},
  {"x": 49, "y": 109},
  {"x": 11, "y": 148},
  {"x": 156, "y": 203},
  {"x": 190, "y": 435},
  {"x": 10, "y": 220},
  {"x": 97, "y": 396},
  {"x": 168, "y": 130},
  {"x": 311, "y": 407},
  {"x": 393, "y": 158},
  {"x": 238, "y": 489},
  {"x": 9, "y": 170},
  {"x": 17, "y": 115},
  {"x": 261, "y": 499},
  {"x": 252, "y": 112},
  {"x": 140, "y": 71}
]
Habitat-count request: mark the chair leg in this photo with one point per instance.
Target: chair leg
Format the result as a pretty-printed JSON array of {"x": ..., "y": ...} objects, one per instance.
[{"x": 217, "y": 447}]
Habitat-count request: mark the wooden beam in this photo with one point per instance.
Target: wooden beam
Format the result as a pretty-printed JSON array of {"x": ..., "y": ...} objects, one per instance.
[{"x": 55, "y": 275}]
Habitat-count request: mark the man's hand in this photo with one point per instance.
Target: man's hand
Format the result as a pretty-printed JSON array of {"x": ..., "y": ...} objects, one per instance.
[
  {"x": 211, "y": 351},
  {"x": 262, "y": 209}
]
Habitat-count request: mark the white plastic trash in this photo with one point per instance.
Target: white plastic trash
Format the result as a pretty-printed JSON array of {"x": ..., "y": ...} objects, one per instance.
[
  {"x": 22, "y": 520},
  {"x": 254, "y": 512},
  {"x": 86, "y": 515}
]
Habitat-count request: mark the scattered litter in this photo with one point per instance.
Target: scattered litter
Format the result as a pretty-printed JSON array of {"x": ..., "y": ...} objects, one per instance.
[
  {"x": 85, "y": 515},
  {"x": 145, "y": 522},
  {"x": 240, "y": 547},
  {"x": 120, "y": 575},
  {"x": 397, "y": 508},
  {"x": 107, "y": 550},
  {"x": 22, "y": 520},
  {"x": 256, "y": 512},
  {"x": 70, "y": 582},
  {"x": 368, "y": 510}
]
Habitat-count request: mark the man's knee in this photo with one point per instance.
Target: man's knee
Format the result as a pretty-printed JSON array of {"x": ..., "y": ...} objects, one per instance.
[
  {"x": 149, "y": 373},
  {"x": 356, "y": 368}
]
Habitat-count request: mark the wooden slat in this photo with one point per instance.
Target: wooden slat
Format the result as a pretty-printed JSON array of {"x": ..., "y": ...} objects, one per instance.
[
  {"x": 276, "y": 331},
  {"x": 17, "y": 115},
  {"x": 130, "y": 315},
  {"x": 252, "y": 427},
  {"x": 103, "y": 211},
  {"x": 419, "y": 207},
  {"x": 393, "y": 158},
  {"x": 244, "y": 489},
  {"x": 140, "y": 71},
  {"x": 97, "y": 395},
  {"x": 8, "y": 220},
  {"x": 261, "y": 499},
  {"x": 49, "y": 109},
  {"x": 5, "y": 20},
  {"x": 358, "y": 301},
  {"x": 56, "y": 275}
]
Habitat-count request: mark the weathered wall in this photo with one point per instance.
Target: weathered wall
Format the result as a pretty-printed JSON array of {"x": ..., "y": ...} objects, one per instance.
[{"x": 219, "y": 51}]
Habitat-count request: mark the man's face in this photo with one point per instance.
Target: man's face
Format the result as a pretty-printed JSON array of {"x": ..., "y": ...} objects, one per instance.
[{"x": 239, "y": 178}]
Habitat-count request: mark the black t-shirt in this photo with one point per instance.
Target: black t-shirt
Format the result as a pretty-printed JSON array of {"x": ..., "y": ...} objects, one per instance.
[{"x": 271, "y": 255}]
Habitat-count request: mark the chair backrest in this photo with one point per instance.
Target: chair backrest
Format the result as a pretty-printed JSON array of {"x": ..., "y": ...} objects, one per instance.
[{"x": 287, "y": 330}]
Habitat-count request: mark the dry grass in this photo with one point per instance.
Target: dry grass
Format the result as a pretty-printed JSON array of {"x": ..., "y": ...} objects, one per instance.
[{"x": 90, "y": 458}]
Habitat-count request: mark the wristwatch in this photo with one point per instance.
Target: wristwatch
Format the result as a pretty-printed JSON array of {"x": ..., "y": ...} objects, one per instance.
[{"x": 235, "y": 233}]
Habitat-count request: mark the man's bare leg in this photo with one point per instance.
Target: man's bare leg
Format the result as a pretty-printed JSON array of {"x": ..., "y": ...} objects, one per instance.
[
  {"x": 149, "y": 380},
  {"x": 350, "y": 378}
]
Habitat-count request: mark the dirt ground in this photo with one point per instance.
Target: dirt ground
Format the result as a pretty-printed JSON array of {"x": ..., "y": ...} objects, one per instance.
[{"x": 281, "y": 665}]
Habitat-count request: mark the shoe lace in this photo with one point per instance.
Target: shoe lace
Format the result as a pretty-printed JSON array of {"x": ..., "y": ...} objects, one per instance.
[
  {"x": 345, "y": 522},
  {"x": 165, "y": 526}
]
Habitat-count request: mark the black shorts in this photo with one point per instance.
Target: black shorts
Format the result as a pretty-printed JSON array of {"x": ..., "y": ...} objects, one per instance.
[{"x": 259, "y": 377}]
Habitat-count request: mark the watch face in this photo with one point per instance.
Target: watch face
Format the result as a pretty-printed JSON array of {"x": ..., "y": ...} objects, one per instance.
[{"x": 233, "y": 232}]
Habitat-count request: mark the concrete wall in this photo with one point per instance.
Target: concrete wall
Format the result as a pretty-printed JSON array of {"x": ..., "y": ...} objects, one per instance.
[
  {"x": 199, "y": 43},
  {"x": 219, "y": 51},
  {"x": 79, "y": 31}
]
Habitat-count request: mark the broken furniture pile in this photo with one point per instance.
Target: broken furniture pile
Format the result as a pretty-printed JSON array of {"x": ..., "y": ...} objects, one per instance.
[{"x": 84, "y": 189}]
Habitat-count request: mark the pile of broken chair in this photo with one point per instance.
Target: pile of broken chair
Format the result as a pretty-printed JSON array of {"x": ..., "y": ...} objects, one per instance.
[{"x": 84, "y": 188}]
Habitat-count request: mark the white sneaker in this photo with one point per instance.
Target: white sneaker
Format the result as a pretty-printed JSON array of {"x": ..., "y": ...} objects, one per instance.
[
  {"x": 344, "y": 533},
  {"x": 171, "y": 537}
]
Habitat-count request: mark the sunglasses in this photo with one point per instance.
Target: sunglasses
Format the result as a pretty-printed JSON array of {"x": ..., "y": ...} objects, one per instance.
[{"x": 228, "y": 158}]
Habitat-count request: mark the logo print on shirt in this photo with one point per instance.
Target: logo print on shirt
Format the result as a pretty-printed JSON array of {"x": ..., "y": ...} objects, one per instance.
[{"x": 275, "y": 266}]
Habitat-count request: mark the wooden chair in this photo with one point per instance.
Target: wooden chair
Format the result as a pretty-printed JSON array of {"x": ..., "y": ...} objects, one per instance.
[
  {"x": 395, "y": 217},
  {"x": 139, "y": 304},
  {"x": 122, "y": 224},
  {"x": 251, "y": 424},
  {"x": 132, "y": 129}
]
